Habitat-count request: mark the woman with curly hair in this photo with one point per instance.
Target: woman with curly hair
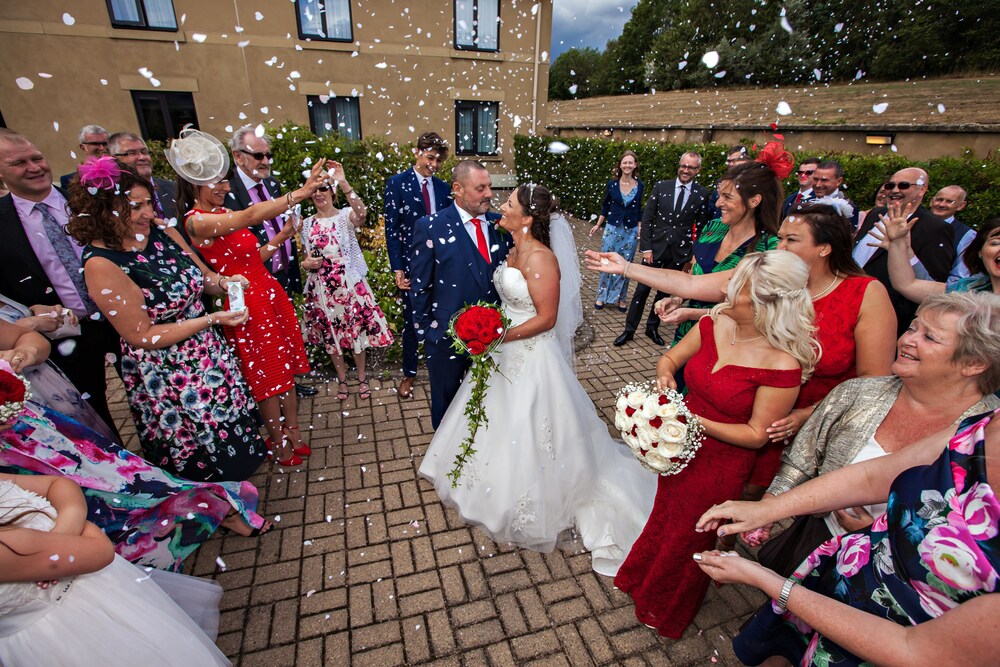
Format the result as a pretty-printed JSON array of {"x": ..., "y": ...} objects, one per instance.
[
  {"x": 188, "y": 399},
  {"x": 745, "y": 363}
]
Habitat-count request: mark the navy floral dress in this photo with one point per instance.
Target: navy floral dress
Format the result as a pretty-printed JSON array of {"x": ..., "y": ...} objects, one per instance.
[
  {"x": 189, "y": 402},
  {"x": 937, "y": 546}
]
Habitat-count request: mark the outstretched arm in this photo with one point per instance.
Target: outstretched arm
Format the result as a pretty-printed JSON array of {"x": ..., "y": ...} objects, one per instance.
[{"x": 707, "y": 287}]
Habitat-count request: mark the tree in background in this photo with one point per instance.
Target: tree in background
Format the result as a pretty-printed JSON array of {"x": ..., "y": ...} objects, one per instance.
[{"x": 573, "y": 73}]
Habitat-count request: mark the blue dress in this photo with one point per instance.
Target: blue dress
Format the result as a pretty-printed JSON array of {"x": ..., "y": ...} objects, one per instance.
[
  {"x": 621, "y": 214},
  {"x": 937, "y": 546}
]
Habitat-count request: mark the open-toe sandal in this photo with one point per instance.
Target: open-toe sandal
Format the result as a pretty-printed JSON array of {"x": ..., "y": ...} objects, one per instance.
[
  {"x": 301, "y": 450},
  {"x": 364, "y": 391},
  {"x": 341, "y": 390}
]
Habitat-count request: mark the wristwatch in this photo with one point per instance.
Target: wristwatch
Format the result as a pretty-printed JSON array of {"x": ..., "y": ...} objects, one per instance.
[{"x": 786, "y": 590}]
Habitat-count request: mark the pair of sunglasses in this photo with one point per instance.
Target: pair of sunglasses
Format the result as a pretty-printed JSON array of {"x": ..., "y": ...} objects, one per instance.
[
  {"x": 257, "y": 156},
  {"x": 892, "y": 185}
]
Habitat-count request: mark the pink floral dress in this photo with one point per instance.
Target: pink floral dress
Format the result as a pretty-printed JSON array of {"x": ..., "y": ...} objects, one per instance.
[{"x": 340, "y": 310}]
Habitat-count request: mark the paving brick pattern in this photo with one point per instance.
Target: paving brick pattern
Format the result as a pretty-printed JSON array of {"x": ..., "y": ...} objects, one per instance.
[{"x": 365, "y": 567}]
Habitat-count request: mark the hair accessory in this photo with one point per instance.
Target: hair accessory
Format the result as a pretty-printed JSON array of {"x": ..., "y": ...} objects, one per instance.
[
  {"x": 777, "y": 158},
  {"x": 841, "y": 206},
  {"x": 102, "y": 172},
  {"x": 198, "y": 157}
]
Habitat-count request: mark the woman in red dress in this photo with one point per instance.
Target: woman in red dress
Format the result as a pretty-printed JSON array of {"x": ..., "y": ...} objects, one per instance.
[
  {"x": 269, "y": 344},
  {"x": 745, "y": 364}
]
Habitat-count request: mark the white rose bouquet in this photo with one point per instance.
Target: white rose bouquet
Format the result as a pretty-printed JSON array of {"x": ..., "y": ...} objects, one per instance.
[{"x": 658, "y": 427}]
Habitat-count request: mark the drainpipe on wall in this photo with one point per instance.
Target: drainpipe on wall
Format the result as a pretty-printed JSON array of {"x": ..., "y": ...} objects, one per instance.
[{"x": 538, "y": 44}]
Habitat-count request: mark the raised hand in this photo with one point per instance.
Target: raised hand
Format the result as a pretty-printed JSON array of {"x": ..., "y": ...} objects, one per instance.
[
  {"x": 605, "y": 262},
  {"x": 336, "y": 171}
]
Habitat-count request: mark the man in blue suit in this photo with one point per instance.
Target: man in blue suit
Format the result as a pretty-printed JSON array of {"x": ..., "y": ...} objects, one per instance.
[
  {"x": 410, "y": 196},
  {"x": 453, "y": 256}
]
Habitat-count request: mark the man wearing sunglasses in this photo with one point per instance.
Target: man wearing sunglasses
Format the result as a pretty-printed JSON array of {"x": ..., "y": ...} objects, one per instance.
[
  {"x": 93, "y": 143},
  {"x": 931, "y": 240},
  {"x": 251, "y": 184},
  {"x": 131, "y": 149},
  {"x": 805, "y": 173}
]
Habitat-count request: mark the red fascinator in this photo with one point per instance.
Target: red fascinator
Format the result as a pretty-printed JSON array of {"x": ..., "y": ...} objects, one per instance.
[
  {"x": 777, "y": 158},
  {"x": 102, "y": 172}
]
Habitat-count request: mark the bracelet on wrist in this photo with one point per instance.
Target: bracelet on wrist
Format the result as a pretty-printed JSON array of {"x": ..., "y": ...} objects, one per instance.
[
  {"x": 289, "y": 200},
  {"x": 625, "y": 272},
  {"x": 219, "y": 281},
  {"x": 786, "y": 590},
  {"x": 348, "y": 192},
  {"x": 211, "y": 322}
]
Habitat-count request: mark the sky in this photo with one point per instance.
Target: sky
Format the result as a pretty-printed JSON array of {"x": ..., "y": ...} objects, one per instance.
[{"x": 580, "y": 23}]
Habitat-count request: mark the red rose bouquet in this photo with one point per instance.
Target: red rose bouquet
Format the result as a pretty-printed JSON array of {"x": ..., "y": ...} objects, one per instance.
[
  {"x": 14, "y": 391},
  {"x": 476, "y": 330}
]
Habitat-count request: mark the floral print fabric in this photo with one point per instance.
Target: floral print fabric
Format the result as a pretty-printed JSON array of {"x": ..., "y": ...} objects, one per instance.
[
  {"x": 189, "y": 401},
  {"x": 936, "y": 547}
]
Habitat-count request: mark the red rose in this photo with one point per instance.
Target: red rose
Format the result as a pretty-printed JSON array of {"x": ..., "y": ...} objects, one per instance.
[
  {"x": 656, "y": 422},
  {"x": 476, "y": 348},
  {"x": 11, "y": 388}
]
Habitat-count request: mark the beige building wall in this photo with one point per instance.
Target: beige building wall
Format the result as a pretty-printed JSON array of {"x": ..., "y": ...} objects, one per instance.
[{"x": 244, "y": 62}]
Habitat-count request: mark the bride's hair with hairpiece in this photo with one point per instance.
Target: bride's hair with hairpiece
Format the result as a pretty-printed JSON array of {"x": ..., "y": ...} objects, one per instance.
[
  {"x": 538, "y": 202},
  {"x": 781, "y": 304}
]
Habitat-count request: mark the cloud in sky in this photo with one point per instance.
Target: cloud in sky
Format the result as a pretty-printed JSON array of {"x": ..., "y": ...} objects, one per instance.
[{"x": 580, "y": 23}]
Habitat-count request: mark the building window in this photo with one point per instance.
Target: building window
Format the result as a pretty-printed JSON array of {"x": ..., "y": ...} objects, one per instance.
[
  {"x": 144, "y": 14},
  {"x": 477, "y": 24},
  {"x": 325, "y": 19},
  {"x": 338, "y": 114},
  {"x": 477, "y": 127},
  {"x": 163, "y": 115}
]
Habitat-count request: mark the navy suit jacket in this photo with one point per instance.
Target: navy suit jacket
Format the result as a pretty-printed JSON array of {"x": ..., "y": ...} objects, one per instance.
[
  {"x": 404, "y": 205},
  {"x": 447, "y": 272},
  {"x": 239, "y": 199},
  {"x": 786, "y": 207}
]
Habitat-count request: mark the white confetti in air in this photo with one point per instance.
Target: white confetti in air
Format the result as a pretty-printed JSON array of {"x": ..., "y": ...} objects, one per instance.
[
  {"x": 382, "y": 65},
  {"x": 682, "y": 64},
  {"x": 66, "y": 347},
  {"x": 940, "y": 108},
  {"x": 516, "y": 123},
  {"x": 68, "y": 18},
  {"x": 263, "y": 110},
  {"x": 199, "y": 37},
  {"x": 534, "y": 9},
  {"x": 572, "y": 89},
  {"x": 45, "y": 75},
  {"x": 54, "y": 557},
  {"x": 783, "y": 109},
  {"x": 838, "y": 27},
  {"x": 146, "y": 72},
  {"x": 710, "y": 59},
  {"x": 785, "y": 25},
  {"x": 880, "y": 107},
  {"x": 258, "y": 16},
  {"x": 24, "y": 83},
  {"x": 720, "y": 74},
  {"x": 818, "y": 74},
  {"x": 558, "y": 148},
  {"x": 259, "y": 130},
  {"x": 55, "y": 125}
]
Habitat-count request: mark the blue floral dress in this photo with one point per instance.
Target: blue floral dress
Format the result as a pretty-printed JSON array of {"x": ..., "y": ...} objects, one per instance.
[
  {"x": 189, "y": 402},
  {"x": 937, "y": 546}
]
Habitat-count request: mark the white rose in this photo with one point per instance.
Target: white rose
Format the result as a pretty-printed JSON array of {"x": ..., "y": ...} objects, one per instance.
[
  {"x": 622, "y": 403},
  {"x": 672, "y": 433},
  {"x": 630, "y": 440},
  {"x": 646, "y": 436},
  {"x": 636, "y": 398},
  {"x": 669, "y": 450},
  {"x": 667, "y": 412},
  {"x": 658, "y": 458},
  {"x": 650, "y": 406},
  {"x": 623, "y": 422}
]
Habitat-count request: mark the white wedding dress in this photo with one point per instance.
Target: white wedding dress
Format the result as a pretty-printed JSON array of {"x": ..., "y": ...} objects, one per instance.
[
  {"x": 115, "y": 617},
  {"x": 546, "y": 463}
]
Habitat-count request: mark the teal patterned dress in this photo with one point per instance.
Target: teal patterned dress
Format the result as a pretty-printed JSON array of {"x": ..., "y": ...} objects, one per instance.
[
  {"x": 190, "y": 404},
  {"x": 937, "y": 546},
  {"x": 705, "y": 249}
]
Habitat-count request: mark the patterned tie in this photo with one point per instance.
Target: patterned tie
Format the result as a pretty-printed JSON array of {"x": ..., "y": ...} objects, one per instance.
[
  {"x": 679, "y": 204},
  {"x": 280, "y": 259},
  {"x": 64, "y": 251},
  {"x": 481, "y": 240},
  {"x": 427, "y": 197}
]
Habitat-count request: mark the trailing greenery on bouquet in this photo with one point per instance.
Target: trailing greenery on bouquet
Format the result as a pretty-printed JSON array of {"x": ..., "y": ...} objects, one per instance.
[
  {"x": 476, "y": 330},
  {"x": 663, "y": 434},
  {"x": 14, "y": 391}
]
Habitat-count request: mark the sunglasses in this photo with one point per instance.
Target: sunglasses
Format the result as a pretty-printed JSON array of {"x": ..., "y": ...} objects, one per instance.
[
  {"x": 257, "y": 156},
  {"x": 891, "y": 185},
  {"x": 803, "y": 172},
  {"x": 323, "y": 188}
]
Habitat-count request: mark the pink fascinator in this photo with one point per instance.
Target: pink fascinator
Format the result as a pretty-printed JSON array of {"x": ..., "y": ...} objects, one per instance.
[
  {"x": 777, "y": 158},
  {"x": 102, "y": 172}
]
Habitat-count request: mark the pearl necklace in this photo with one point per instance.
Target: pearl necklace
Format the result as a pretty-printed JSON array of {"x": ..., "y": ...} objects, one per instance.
[{"x": 824, "y": 292}]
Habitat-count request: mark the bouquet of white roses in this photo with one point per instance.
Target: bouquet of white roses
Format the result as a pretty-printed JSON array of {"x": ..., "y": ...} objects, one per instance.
[{"x": 658, "y": 427}]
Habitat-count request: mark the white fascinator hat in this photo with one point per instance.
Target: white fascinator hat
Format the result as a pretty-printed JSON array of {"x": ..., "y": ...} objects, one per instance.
[{"x": 198, "y": 157}]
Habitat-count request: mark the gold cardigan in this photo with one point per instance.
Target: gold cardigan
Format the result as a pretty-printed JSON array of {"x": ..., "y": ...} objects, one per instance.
[{"x": 841, "y": 425}]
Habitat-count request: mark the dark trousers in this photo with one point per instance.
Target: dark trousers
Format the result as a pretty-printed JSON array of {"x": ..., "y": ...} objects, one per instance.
[
  {"x": 446, "y": 368},
  {"x": 641, "y": 294},
  {"x": 410, "y": 344}
]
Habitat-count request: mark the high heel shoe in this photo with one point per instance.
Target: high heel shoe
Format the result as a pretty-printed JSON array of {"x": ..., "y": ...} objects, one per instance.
[
  {"x": 303, "y": 450},
  {"x": 365, "y": 391},
  {"x": 291, "y": 461}
]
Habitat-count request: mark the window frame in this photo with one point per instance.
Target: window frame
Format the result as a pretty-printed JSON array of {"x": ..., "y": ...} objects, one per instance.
[
  {"x": 475, "y": 14},
  {"x": 475, "y": 106},
  {"x": 313, "y": 100},
  {"x": 342, "y": 40},
  {"x": 143, "y": 23},
  {"x": 164, "y": 109}
]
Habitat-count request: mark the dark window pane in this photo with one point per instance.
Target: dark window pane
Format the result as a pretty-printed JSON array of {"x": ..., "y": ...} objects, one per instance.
[
  {"x": 325, "y": 19},
  {"x": 477, "y": 24},
  {"x": 476, "y": 127},
  {"x": 338, "y": 114},
  {"x": 163, "y": 115},
  {"x": 160, "y": 14}
]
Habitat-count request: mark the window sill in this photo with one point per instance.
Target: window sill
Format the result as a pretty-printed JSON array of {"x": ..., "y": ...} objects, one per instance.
[
  {"x": 147, "y": 34},
  {"x": 471, "y": 54}
]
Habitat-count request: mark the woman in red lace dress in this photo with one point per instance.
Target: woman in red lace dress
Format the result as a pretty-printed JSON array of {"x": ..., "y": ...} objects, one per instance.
[
  {"x": 745, "y": 364},
  {"x": 269, "y": 344}
]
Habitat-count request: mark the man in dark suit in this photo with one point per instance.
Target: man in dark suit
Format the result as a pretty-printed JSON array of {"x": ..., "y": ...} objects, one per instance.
[
  {"x": 131, "y": 149},
  {"x": 674, "y": 212},
  {"x": 410, "y": 196},
  {"x": 805, "y": 173},
  {"x": 946, "y": 204},
  {"x": 930, "y": 238},
  {"x": 827, "y": 179},
  {"x": 252, "y": 183},
  {"x": 93, "y": 143},
  {"x": 453, "y": 256},
  {"x": 40, "y": 265}
]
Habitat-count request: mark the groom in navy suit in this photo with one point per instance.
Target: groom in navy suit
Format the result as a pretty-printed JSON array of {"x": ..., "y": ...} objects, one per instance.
[
  {"x": 453, "y": 257},
  {"x": 409, "y": 196}
]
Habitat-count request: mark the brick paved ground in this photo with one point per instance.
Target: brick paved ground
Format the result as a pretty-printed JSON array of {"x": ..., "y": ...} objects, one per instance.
[{"x": 366, "y": 567}]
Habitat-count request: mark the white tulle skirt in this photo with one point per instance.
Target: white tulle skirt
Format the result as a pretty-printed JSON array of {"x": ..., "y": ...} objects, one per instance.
[
  {"x": 117, "y": 617},
  {"x": 545, "y": 464}
]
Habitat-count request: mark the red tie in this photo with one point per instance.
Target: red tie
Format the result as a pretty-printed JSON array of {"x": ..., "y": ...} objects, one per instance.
[
  {"x": 798, "y": 200},
  {"x": 427, "y": 197},
  {"x": 481, "y": 240}
]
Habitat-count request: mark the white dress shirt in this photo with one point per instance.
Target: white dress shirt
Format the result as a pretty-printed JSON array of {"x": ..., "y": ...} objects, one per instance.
[
  {"x": 430, "y": 190},
  {"x": 470, "y": 228}
]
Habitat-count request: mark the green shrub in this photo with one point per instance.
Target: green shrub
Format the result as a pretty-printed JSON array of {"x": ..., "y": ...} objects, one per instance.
[{"x": 579, "y": 175}]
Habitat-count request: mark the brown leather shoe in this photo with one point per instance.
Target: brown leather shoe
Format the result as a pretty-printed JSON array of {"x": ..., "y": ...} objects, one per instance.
[{"x": 406, "y": 387}]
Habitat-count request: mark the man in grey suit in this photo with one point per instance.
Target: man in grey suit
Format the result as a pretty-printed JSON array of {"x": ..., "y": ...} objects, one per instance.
[
  {"x": 674, "y": 212},
  {"x": 93, "y": 143},
  {"x": 131, "y": 149}
]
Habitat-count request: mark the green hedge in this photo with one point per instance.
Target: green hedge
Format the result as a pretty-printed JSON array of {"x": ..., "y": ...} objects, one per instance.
[{"x": 579, "y": 175}]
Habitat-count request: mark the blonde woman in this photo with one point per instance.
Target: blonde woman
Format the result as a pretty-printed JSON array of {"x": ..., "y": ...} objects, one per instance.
[{"x": 745, "y": 362}]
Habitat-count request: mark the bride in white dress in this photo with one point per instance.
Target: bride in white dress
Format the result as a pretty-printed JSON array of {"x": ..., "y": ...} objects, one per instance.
[{"x": 546, "y": 463}]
